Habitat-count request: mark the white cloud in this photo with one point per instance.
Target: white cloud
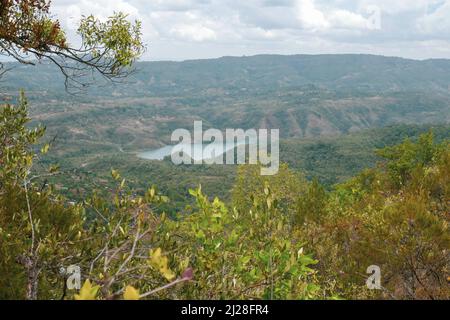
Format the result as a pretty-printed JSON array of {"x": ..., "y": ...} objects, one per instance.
[
  {"x": 100, "y": 8},
  {"x": 310, "y": 17},
  {"x": 317, "y": 19},
  {"x": 195, "y": 32},
  {"x": 182, "y": 29},
  {"x": 397, "y": 6},
  {"x": 173, "y": 5},
  {"x": 71, "y": 11},
  {"x": 347, "y": 19},
  {"x": 437, "y": 21}
]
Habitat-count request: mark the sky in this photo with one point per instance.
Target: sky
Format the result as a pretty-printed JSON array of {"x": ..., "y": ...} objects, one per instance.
[{"x": 198, "y": 29}]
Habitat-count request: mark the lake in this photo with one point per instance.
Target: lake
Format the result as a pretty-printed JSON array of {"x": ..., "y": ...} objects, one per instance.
[{"x": 196, "y": 150}]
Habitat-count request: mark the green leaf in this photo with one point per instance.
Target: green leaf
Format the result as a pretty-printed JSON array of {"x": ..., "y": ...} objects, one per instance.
[{"x": 45, "y": 148}]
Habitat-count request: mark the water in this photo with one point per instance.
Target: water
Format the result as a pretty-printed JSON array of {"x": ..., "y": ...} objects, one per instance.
[
  {"x": 194, "y": 151},
  {"x": 156, "y": 154}
]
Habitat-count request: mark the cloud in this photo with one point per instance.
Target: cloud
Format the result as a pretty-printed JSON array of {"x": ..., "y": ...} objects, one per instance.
[
  {"x": 310, "y": 17},
  {"x": 182, "y": 29},
  {"x": 100, "y": 8},
  {"x": 436, "y": 20},
  {"x": 195, "y": 32},
  {"x": 398, "y": 6},
  {"x": 348, "y": 20}
]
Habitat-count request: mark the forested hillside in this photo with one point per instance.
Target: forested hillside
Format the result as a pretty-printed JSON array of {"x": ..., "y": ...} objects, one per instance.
[
  {"x": 331, "y": 160},
  {"x": 331, "y": 111},
  {"x": 359, "y": 208},
  {"x": 259, "y": 73},
  {"x": 306, "y": 96},
  {"x": 278, "y": 237}
]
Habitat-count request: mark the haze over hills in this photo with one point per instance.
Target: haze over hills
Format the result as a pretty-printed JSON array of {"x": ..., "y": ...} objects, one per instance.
[
  {"x": 304, "y": 96},
  {"x": 309, "y": 98},
  {"x": 364, "y": 72}
]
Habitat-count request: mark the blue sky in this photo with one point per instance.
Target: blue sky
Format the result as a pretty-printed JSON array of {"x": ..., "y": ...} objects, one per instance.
[{"x": 192, "y": 29}]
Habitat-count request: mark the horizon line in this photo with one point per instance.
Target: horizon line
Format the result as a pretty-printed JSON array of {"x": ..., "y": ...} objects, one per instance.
[
  {"x": 11, "y": 60},
  {"x": 289, "y": 55}
]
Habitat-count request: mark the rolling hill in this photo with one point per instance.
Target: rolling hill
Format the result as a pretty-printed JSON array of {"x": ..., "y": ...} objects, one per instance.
[{"x": 313, "y": 100}]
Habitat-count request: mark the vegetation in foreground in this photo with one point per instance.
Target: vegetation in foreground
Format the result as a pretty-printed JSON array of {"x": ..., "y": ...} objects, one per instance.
[{"x": 279, "y": 237}]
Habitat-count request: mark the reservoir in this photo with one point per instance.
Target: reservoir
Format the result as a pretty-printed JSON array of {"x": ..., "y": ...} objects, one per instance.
[{"x": 195, "y": 150}]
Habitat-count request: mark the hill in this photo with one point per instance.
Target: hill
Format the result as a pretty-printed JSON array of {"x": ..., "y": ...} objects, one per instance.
[
  {"x": 313, "y": 100},
  {"x": 304, "y": 96}
]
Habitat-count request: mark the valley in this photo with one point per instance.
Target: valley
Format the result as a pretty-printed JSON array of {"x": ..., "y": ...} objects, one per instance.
[{"x": 332, "y": 111}]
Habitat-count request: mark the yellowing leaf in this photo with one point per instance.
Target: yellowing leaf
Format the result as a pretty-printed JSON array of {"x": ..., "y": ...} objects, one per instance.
[
  {"x": 87, "y": 291},
  {"x": 131, "y": 293},
  {"x": 115, "y": 174},
  {"x": 167, "y": 273},
  {"x": 45, "y": 148},
  {"x": 160, "y": 263},
  {"x": 155, "y": 256}
]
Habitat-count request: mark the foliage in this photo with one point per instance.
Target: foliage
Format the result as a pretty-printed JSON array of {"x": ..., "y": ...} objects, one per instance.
[
  {"x": 116, "y": 39},
  {"x": 279, "y": 237},
  {"x": 87, "y": 291},
  {"x": 404, "y": 158},
  {"x": 37, "y": 228},
  {"x": 108, "y": 48},
  {"x": 15, "y": 154},
  {"x": 27, "y": 25},
  {"x": 250, "y": 186},
  {"x": 398, "y": 222},
  {"x": 240, "y": 254},
  {"x": 311, "y": 205}
]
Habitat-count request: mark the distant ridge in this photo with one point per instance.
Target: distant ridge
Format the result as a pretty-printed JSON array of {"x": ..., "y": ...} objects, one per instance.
[
  {"x": 265, "y": 72},
  {"x": 304, "y": 96},
  {"x": 292, "y": 55}
]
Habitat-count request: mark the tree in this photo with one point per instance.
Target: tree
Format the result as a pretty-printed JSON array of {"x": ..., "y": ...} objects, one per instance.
[
  {"x": 123, "y": 245},
  {"x": 403, "y": 158},
  {"x": 109, "y": 48},
  {"x": 395, "y": 217},
  {"x": 312, "y": 204},
  {"x": 37, "y": 228},
  {"x": 241, "y": 253},
  {"x": 287, "y": 186},
  {"x": 40, "y": 233}
]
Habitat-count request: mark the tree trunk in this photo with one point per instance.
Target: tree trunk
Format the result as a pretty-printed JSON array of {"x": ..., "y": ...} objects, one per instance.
[
  {"x": 32, "y": 271},
  {"x": 32, "y": 284}
]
